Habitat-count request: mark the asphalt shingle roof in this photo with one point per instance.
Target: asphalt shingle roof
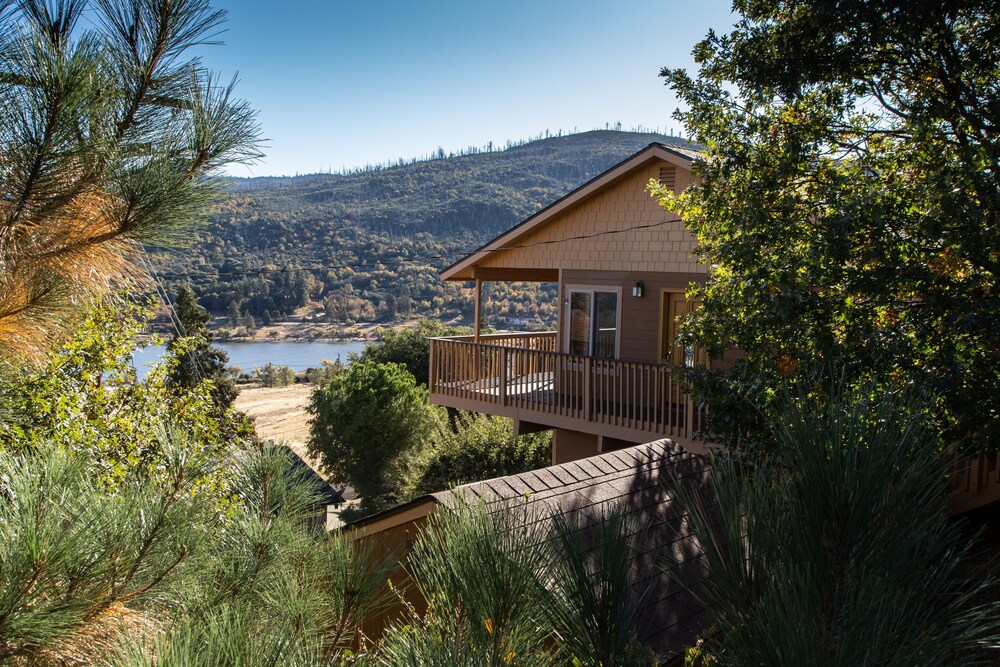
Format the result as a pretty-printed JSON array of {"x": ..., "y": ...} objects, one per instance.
[{"x": 639, "y": 479}]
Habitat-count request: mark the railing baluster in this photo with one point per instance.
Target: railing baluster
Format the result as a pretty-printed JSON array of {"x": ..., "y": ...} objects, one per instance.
[
  {"x": 525, "y": 371},
  {"x": 503, "y": 356}
]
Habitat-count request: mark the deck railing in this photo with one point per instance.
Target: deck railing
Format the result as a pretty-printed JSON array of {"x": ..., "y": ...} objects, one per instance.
[
  {"x": 976, "y": 480},
  {"x": 524, "y": 372}
]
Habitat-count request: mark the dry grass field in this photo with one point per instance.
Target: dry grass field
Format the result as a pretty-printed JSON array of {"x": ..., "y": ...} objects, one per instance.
[{"x": 280, "y": 413}]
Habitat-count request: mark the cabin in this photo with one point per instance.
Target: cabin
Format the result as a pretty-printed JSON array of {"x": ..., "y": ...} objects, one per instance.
[
  {"x": 601, "y": 381},
  {"x": 669, "y": 616}
]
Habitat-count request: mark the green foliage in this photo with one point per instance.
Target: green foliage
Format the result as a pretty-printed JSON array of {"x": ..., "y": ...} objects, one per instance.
[
  {"x": 849, "y": 200},
  {"x": 699, "y": 656},
  {"x": 474, "y": 447},
  {"x": 508, "y": 585},
  {"x": 593, "y": 606},
  {"x": 324, "y": 373},
  {"x": 69, "y": 551},
  {"x": 482, "y": 575},
  {"x": 225, "y": 638},
  {"x": 274, "y": 376},
  {"x": 201, "y": 360},
  {"x": 278, "y": 582},
  {"x": 410, "y": 347},
  {"x": 175, "y": 575},
  {"x": 112, "y": 136},
  {"x": 365, "y": 421},
  {"x": 87, "y": 399},
  {"x": 838, "y": 550}
]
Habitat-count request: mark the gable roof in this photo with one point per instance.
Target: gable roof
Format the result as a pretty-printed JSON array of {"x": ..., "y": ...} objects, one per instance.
[
  {"x": 634, "y": 479},
  {"x": 325, "y": 494},
  {"x": 680, "y": 155}
]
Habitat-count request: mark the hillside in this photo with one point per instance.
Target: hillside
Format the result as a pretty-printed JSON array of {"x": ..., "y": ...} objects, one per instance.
[{"x": 367, "y": 246}]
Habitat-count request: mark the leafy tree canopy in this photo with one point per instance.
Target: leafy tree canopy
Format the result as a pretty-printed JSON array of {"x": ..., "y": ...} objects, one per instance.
[
  {"x": 200, "y": 360},
  {"x": 365, "y": 420},
  {"x": 850, "y": 201},
  {"x": 473, "y": 448},
  {"x": 410, "y": 346},
  {"x": 87, "y": 399}
]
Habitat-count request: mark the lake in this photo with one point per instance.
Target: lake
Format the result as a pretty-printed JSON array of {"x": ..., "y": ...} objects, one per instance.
[{"x": 296, "y": 354}]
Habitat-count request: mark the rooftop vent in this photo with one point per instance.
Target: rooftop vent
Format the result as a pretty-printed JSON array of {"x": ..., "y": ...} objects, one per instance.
[{"x": 668, "y": 177}]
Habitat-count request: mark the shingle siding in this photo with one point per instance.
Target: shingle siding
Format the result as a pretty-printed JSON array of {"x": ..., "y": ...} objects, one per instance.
[{"x": 612, "y": 219}]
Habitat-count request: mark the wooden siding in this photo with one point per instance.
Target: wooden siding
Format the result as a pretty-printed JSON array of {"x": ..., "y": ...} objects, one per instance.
[
  {"x": 976, "y": 481},
  {"x": 622, "y": 205},
  {"x": 640, "y": 317},
  {"x": 392, "y": 536},
  {"x": 569, "y": 445}
]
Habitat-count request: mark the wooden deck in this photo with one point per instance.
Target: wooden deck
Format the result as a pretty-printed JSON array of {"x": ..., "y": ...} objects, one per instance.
[
  {"x": 523, "y": 377},
  {"x": 976, "y": 481}
]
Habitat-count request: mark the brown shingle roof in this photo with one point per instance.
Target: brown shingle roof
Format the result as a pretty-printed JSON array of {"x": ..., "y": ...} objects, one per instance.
[{"x": 638, "y": 479}]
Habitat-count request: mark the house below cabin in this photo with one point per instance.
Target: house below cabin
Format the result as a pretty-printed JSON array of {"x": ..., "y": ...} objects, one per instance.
[{"x": 633, "y": 480}]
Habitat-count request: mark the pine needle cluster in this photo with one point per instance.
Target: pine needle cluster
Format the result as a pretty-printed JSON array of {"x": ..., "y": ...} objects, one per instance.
[{"x": 109, "y": 138}]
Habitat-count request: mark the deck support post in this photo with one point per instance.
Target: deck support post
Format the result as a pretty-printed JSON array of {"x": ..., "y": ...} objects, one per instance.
[
  {"x": 688, "y": 415},
  {"x": 479, "y": 308},
  {"x": 432, "y": 374},
  {"x": 504, "y": 376}
]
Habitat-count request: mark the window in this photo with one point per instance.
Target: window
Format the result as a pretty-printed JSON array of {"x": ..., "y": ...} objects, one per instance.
[{"x": 593, "y": 323}]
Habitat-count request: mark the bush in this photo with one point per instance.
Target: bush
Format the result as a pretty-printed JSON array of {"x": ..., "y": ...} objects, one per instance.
[
  {"x": 178, "y": 569},
  {"x": 275, "y": 376},
  {"x": 505, "y": 587},
  {"x": 409, "y": 346},
  {"x": 838, "y": 550},
  {"x": 472, "y": 448},
  {"x": 87, "y": 398},
  {"x": 365, "y": 422}
]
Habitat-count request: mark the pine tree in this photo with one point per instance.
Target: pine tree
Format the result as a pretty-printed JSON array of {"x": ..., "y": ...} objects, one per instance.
[
  {"x": 110, "y": 138},
  {"x": 198, "y": 360}
]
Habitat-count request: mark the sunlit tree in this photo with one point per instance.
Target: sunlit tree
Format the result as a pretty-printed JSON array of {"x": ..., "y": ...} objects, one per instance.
[
  {"x": 110, "y": 137},
  {"x": 849, "y": 202}
]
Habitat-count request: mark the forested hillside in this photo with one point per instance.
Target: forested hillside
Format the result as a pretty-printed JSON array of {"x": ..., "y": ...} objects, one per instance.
[{"x": 367, "y": 246}]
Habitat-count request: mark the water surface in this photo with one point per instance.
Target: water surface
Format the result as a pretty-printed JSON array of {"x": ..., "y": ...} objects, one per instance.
[{"x": 298, "y": 355}]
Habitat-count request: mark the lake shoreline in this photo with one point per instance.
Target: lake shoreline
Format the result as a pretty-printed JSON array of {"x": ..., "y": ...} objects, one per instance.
[
  {"x": 247, "y": 355},
  {"x": 289, "y": 331}
]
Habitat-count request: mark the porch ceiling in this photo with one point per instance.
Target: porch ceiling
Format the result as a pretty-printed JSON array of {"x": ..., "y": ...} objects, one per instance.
[{"x": 506, "y": 274}]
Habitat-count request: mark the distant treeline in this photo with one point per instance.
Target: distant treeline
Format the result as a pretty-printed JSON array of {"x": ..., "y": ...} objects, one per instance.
[{"x": 258, "y": 182}]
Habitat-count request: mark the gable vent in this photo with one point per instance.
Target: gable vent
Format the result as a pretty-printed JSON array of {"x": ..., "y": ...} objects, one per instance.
[{"x": 668, "y": 177}]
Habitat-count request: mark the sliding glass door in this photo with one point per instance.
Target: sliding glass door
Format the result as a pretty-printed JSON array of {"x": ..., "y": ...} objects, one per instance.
[{"x": 593, "y": 323}]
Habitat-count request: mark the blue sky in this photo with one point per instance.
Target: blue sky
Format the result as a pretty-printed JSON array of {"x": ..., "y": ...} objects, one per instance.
[{"x": 340, "y": 84}]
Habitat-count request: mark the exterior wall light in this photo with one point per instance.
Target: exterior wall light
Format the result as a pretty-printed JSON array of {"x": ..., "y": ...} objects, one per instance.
[{"x": 637, "y": 290}]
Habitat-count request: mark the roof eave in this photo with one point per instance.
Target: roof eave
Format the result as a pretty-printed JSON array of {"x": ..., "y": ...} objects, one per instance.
[{"x": 463, "y": 269}]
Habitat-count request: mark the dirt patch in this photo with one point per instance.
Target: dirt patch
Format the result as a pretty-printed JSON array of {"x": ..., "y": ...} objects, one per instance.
[{"x": 278, "y": 412}]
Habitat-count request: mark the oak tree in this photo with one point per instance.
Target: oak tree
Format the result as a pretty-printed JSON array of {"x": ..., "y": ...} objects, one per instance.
[{"x": 849, "y": 201}]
